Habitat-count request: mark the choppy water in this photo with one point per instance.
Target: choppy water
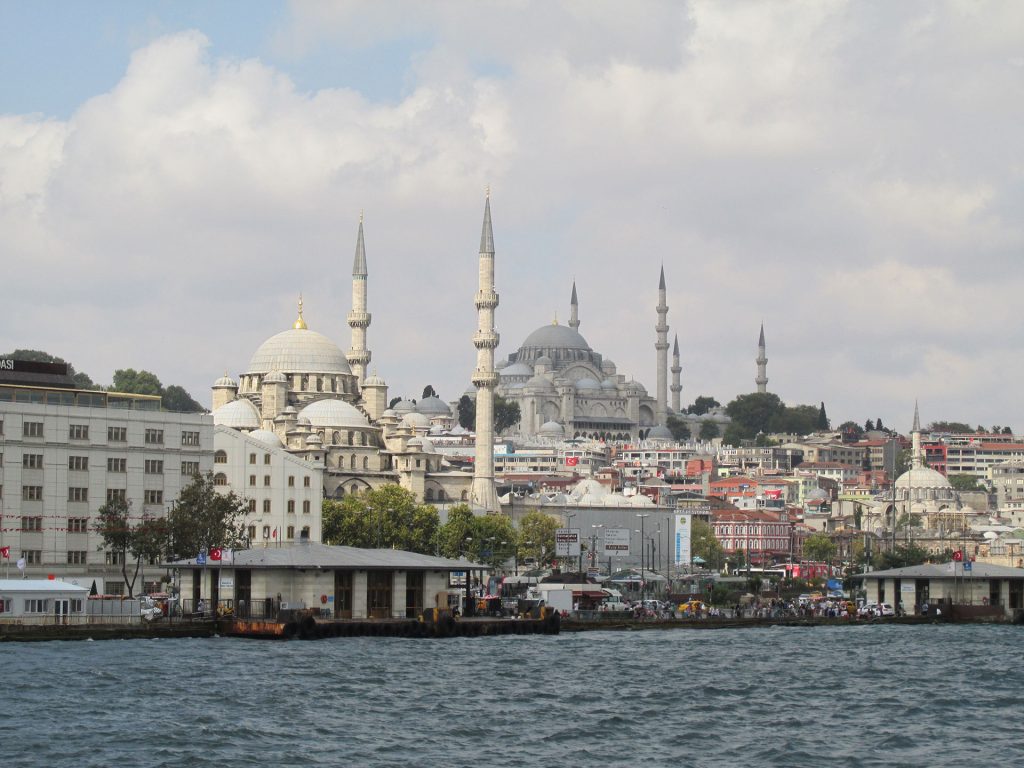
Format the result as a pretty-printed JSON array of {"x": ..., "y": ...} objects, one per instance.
[{"x": 865, "y": 696}]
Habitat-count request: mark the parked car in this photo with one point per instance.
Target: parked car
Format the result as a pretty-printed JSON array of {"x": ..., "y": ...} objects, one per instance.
[{"x": 876, "y": 609}]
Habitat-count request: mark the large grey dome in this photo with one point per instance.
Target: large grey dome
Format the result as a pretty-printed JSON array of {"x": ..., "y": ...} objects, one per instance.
[
  {"x": 433, "y": 406},
  {"x": 238, "y": 414},
  {"x": 299, "y": 350},
  {"x": 556, "y": 337},
  {"x": 333, "y": 413}
]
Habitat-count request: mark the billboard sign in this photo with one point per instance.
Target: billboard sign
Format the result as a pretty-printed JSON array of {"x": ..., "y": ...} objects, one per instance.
[
  {"x": 567, "y": 542},
  {"x": 616, "y": 541},
  {"x": 684, "y": 532}
]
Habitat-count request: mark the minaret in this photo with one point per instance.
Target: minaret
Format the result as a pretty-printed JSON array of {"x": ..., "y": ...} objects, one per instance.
[
  {"x": 916, "y": 459},
  {"x": 574, "y": 306},
  {"x": 762, "y": 364},
  {"x": 661, "y": 345},
  {"x": 359, "y": 319},
  {"x": 677, "y": 369},
  {"x": 485, "y": 378}
]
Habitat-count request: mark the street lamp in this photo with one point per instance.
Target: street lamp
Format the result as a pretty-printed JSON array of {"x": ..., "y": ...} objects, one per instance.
[{"x": 593, "y": 548}]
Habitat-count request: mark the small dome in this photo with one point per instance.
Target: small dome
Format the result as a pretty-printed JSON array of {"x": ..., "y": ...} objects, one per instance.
[
  {"x": 433, "y": 406},
  {"x": 500, "y": 364},
  {"x": 389, "y": 413},
  {"x": 275, "y": 377},
  {"x": 543, "y": 360},
  {"x": 552, "y": 429},
  {"x": 374, "y": 381},
  {"x": 541, "y": 382},
  {"x": 404, "y": 406},
  {"x": 516, "y": 369},
  {"x": 314, "y": 439},
  {"x": 303, "y": 421},
  {"x": 587, "y": 383},
  {"x": 238, "y": 414},
  {"x": 660, "y": 433},
  {"x": 608, "y": 367},
  {"x": 333, "y": 413},
  {"x": 225, "y": 381},
  {"x": 415, "y": 420},
  {"x": 416, "y": 443},
  {"x": 635, "y": 386},
  {"x": 289, "y": 410},
  {"x": 299, "y": 350},
  {"x": 266, "y": 436},
  {"x": 428, "y": 445}
]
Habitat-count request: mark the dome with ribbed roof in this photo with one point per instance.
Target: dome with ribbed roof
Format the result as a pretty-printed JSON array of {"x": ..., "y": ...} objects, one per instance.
[
  {"x": 238, "y": 414},
  {"x": 588, "y": 384},
  {"x": 225, "y": 381},
  {"x": 299, "y": 350},
  {"x": 403, "y": 407},
  {"x": 332, "y": 413},
  {"x": 516, "y": 369},
  {"x": 433, "y": 406},
  {"x": 415, "y": 420},
  {"x": 266, "y": 436},
  {"x": 924, "y": 484},
  {"x": 552, "y": 429}
]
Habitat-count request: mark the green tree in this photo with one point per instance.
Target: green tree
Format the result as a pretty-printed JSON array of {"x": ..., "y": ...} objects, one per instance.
[
  {"x": 391, "y": 403},
  {"x": 956, "y": 427},
  {"x": 114, "y": 526},
  {"x": 702, "y": 405},
  {"x": 901, "y": 556},
  {"x": 494, "y": 539},
  {"x": 964, "y": 483},
  {"x": 428, "y": 391},
  {"x": 467, "y": 412},
  {"x": 709, "y": 430},
  {"x": 537, "y": 536},
  {"x": 703, "y": 544},
  {"x": 878, "y": 424},
  {"x": 385, "y": 517},
  {"x": 823, "y": 422},
  {"x": 851, "y": 431},
  {"x": 902, "y": 462},
  {"x": 454, "y": 538},
  {"x": 680, "y": 429},
  {"x": 136, "y": 382},
  {"x": 753, "y": 413},
  {"x": 506, "y": 414},
  {"x": 203, "y": 518},
  {"x": 819, "y": 548},
  {"x": 869, "y": 425},
  {"x": 175, "y": 398},
  {"x": 798, "y": 419}
]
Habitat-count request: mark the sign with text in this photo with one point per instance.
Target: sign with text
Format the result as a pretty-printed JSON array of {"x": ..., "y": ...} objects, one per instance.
[
  {"x": 567, "y": 542},
  {"x": 684, "y": 532},
  {"x": 616, "y": 541}
]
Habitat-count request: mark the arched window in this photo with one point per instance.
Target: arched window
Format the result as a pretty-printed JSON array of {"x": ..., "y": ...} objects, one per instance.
[
  {"x": 305, "y": 532},
  {"x": 440, "y": 495},
  {"x": 352, "y": 463},
  {"x": 220, "y": 479},
  {"x": 351, "y": 437},
  {"x": 336, "y": 438},
  {"x": 464, "y": 496},
  {"x": 362, "y": 437},
  {"x": 366, "y": 462},
  {"x": 220, "y": 457},
  {"x": 429, "y": 496},
  {"x": 291, "y": 532}
]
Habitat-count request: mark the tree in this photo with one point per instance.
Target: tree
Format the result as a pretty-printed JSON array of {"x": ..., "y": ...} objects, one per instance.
[
  {"x": 901, "y": 556},
  {"x": 453, "y": 538},
  {"x": 709, "y": 430},
  {"x": 394, "y": 400},
  {"x": 823, "y": 423},
  {"x": 506, "y": 414},
  {"x": 902, "y": 463},
  {"x": 467, "y": 412},
  {"x": 753, "y": 413},
  {"x": 113, "y": 524},
  {"x": 680, "y": 429},
  {"x": 851, "y": 431},
  {"x": 537, "y": 536},
  {"x": 702, "y": 405},
  {"x": 964, "y": 483},
  {"x": 428, "y": 391},
  {"x": 136, "y": 382},
  {"x": 1007, "y": 431},
  {"x": 819, "y": 548},
  {"x": 878, "y": 424},
  {"x": 175, "y": 398},
  {"x": 869, "y": 426},
  {"x": 385, "y": 517},
  {"x": 703, "y": 544},
  {"x": 956, "y": 427},
  {"x": 203, "y": 519}
]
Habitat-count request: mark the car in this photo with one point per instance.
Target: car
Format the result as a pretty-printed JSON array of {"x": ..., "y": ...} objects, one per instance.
[{"x": 876, "y": 609}]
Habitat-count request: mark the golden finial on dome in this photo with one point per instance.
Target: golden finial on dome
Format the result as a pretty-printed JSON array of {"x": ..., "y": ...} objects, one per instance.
[
  {"x": 555, "y": 321},
  {"x": 300, "y": 324}
]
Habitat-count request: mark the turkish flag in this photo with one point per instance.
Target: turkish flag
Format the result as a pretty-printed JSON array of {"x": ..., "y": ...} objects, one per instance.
[
  {"x": 5, "y": 552},
  {"x": 215, "y": 553},
  {"x": 572, "y": 461},
  {"x": 958, "y": 556}
]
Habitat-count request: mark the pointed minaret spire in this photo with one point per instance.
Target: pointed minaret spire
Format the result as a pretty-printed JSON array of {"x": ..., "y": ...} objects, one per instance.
[
  {"x": 677, "y": 369},
  {"x": 484, "y": 496},
  {"x": 762, "y": 364},
  {"x": 917, "y": 418},
  {"x": 661, "y": 348},
  {"x": 574, "y": 309},
  {"x": 917, "y": 457},
  {"x": 359, "y": 319}
]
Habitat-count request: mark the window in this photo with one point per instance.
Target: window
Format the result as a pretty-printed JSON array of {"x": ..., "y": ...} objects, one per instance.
[
  {"x": 252, "y": 506},
  {"x": 252, "y": 458},
  {"x": 266, "y": 458},
  {"x": 220, "y": 479},
  {"x": 117, "y": 434},
  {"x": 252, "y": 480},
  {"x": 266, "y": 506},
  {"x": 76, "y": 557},
  {"x": 190, "y": 438},
  {"x": 220, "y": 457},
  {"x": 78, "y": 432},
  {"x": 291, "y": 531},
  {"x": 266, "y": 481},
  {"x": 154, "y": 467},
  {"x": 32, "y": 556},
  {"x": 32, "y": 605},
  {"x": 78, "y": 525},
  {"x": 190, "y": 468},
  {"x": 252, "y": 532},
  {"x": 5, "y": 603},
  {"x": 33, "y": 429},
  {"x": 291, "y": 506},
  {"x": 117, "y": 465},
  {"x": 32, "y": 492},
  {"x": 305, "y": 507},
  {"x": 291, "y": 481},
  {"x": 32, "y": 523},
  {"x": 305, "y": 482},
  {"x": 305, "y": 532},
  {"x": 113, "y": 558},
  {"x": 78, "y": 494},
  {"x": 116, "y": 494},
  {"x": 366, "y": 462},
  {"x": 266, "y": 531},
  {"x": 153, "y": 497},
  {"x": 155, "y": 436},
  {"x": 78, "y": 463},
  {"x": 32, "y": 460}
]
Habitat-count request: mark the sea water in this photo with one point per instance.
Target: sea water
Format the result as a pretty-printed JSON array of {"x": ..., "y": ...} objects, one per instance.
[{"x": 877, "y": 695}]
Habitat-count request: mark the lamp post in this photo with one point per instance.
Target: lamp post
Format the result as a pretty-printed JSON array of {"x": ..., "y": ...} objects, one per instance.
[
  {"x": 593, "y": 546},
  {"x": 568, "y": 524},
  {"x": 643, "y": 546}
]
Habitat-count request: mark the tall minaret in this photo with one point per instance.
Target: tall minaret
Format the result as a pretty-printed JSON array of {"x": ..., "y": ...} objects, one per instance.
[
  {"x": 762, "y": 364},
  {"x": 574, "y": 309},
  {"x": 359, "y": 319},
  {"x": 677, "y": 369},
  {"x": 485, "y": 378},
  {"x": 661, "y": 345},
  {"x": 916, "y": 457}
]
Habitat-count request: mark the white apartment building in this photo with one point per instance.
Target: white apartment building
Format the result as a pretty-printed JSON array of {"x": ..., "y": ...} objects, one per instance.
[
  {"x": 284, "y": 491},
  {"x": 65, "y": 452}
]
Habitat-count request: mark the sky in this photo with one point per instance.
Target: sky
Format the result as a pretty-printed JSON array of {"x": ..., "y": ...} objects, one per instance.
[{"x": 174, "y": 175}]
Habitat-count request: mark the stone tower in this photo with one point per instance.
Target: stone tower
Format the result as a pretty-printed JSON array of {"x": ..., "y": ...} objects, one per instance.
[
  {"x": 661, "y": 346},
  {"x": 484, "y": 497},
  {"x": 762, "y": 364},
  {"x": 359, "y": 319},
  {"x": 574, "y": 309},
  {"x": 677, "y": 369}
]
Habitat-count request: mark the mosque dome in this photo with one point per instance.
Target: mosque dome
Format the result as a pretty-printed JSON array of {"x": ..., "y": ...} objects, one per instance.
[
  {"x": 500, "y": 364},
  {"x": 635, "y": 386},
  {"x": 552, "y": 429},
  {"x": 275, "y": 377},
  {"x": 299, "y": 350},
  {"x": 587, "y": 384},
  {"x": 543, "y": 360},
  {"x": 660, "y": 433},
  {"x": 433, "y": 406},
  {"x": 374, "y": 381},
  {"x": 516, "y": 369},
  {"x": 416, "y": 442},
  {"x": 924, "y": 484},
  {"x": 314, "y": 439},
  {"x": 332, "y": 413},
  {"x": 403, "y": 407},
  {"x": 225, "y": 381},
  {"x": 415, "y": 420},
  {"x": 609, "y": 384},
  {"x": 238, "y": 414},
  {"x": 266, "y": 436},
  {"x": 556, "y": 337},
  {"x": 389, "y": 413},
  {"x": 428, "y": 445},
  {"x": 541, "y": 382}
]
